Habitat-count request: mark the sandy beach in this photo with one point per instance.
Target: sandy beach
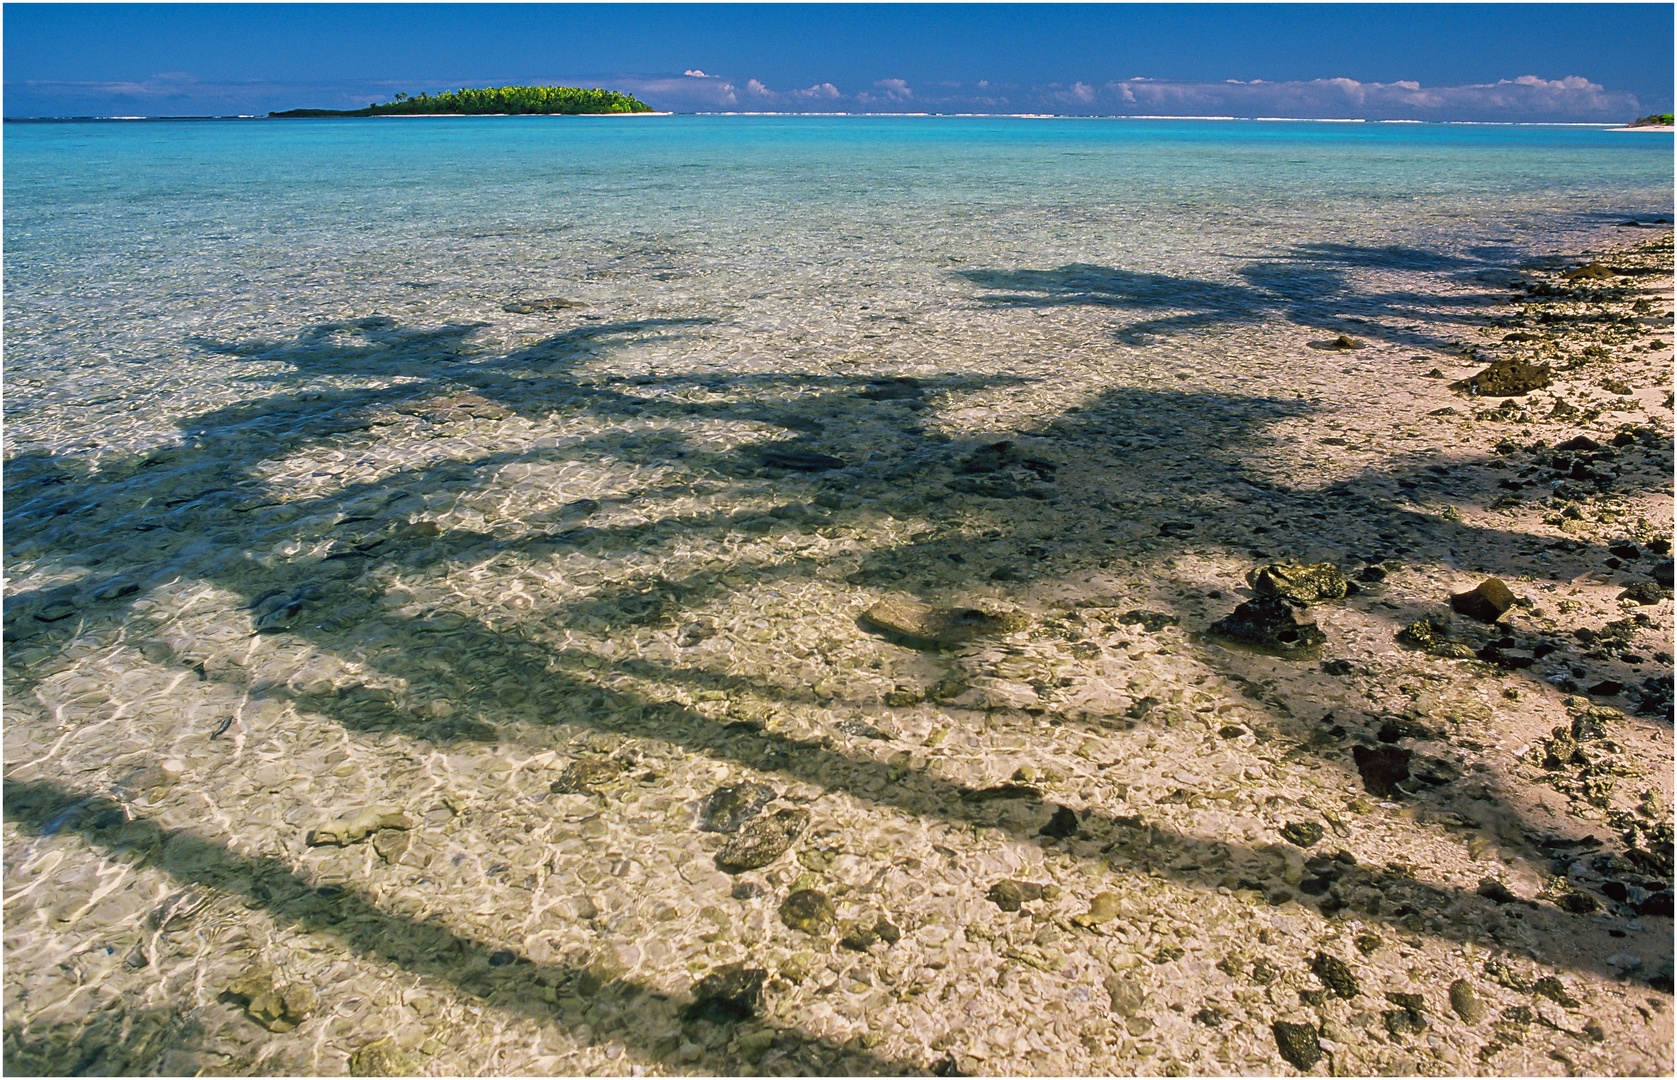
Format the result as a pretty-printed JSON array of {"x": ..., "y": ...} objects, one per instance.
[{"x": 549, "y": 713}]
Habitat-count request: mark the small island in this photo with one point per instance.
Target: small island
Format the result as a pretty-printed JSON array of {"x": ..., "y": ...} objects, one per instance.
[
  {"x": 1652, "y": 120},
  {"x": 491, "y": 101}
]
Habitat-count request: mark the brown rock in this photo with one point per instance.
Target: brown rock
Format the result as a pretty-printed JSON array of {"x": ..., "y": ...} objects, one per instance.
[
  {"x": 1486, "y": 601},
  {"x": 1588, "y": 272}
]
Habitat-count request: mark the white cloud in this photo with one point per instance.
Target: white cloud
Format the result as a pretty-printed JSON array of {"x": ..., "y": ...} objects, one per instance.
[{"x": 1523, "y": 98}]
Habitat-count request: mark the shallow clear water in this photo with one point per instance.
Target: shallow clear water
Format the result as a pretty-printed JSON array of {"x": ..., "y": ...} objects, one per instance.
[
  {"x": 302, "y": 519},
  {"x": 126, "y": 241}
]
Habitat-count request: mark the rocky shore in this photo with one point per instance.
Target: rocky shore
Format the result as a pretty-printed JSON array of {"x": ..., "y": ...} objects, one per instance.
[{"x": 1307, "y": 716}]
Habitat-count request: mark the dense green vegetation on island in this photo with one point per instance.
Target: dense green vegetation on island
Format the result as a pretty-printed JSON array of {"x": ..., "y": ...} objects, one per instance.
[
  {"x": 1652, "y": 120},
  {"x": 513, "y": 100}
]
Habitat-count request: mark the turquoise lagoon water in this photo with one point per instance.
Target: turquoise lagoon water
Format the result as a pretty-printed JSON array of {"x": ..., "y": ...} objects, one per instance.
[
  {"x": 317, "y": 500},
  {"x": 126, "y": 241}
]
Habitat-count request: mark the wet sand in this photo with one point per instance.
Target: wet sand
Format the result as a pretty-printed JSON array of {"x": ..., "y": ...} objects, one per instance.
[{"x": 528, "y": 613}]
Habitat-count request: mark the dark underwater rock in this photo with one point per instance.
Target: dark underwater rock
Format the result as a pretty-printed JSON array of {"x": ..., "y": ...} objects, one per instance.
[{"x": 1270, "y": 624}]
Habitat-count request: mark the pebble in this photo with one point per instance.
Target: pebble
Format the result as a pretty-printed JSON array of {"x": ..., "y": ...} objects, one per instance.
[
  {"x": 1465, "y": 1003},
  {"x": 381, "y": 1057},
  {"x": 1010, "y": 895},
  {"x": 354, "y": 827},
  {"x": 1105, "y": 907},
  {"x": 728, "y": 994},
  {"x": 727, "y": 808},
  {"x": 1126, "y": 994},
  {"x": 808, "y": 910},
  {"x": 1298, "y": 1044},
  {"x": 1303, "y": 833},
  {"x": 1336, "y": 975},
  {"x": 762, "y": 840}
]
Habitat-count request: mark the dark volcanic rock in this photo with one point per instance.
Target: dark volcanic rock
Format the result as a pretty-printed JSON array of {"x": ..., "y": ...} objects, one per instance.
[
  {"x": 1486, "y": 601},
  {"x": 729, "y": 994},
  {"x": 1382, "y": 768},
  {"x": 1336, "y": 975},
  {"x": 761, "y": 841},
  {"x": 726, "y": 809},
  {"x": 1646, "y": 592},
  {"x": 1010, "y": 895},
  {"x": 1508, "y": 377},
  {"x": 1270, "y": 624},
  {"x": 1298, "y": 1044},
  {"x": 1404, "y": 1021}
]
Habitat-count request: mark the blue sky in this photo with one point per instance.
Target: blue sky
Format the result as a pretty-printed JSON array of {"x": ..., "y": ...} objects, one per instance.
[{"x": 1523, "y": 62}]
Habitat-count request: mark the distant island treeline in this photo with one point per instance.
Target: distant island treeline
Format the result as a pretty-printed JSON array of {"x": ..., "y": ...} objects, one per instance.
[
  {"x": 511, "y": 100},
  {"x": 1652, "y": 120}
]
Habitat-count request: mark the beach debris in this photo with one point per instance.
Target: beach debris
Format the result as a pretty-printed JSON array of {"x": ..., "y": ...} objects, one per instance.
[
  {"x": 1507, "y": 377},
  {"x": 1486, "y": 601},
  {"x": 1272, "y": 625},
  {"x": 1588, "y": 272},
  {"x": 726, "y": 809},
  {"x": 355, "y": 827},
  {"x": 1298, "y": 1044},
  {"x": 381, "y": 1057},
  {"x": 940, "y": 625},
  {"x": 727, "y": 994},
  {"x": 762, "y": 840},
  {"x": 808, "y": 910},
  {"x": 1303, "y": 583}
]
